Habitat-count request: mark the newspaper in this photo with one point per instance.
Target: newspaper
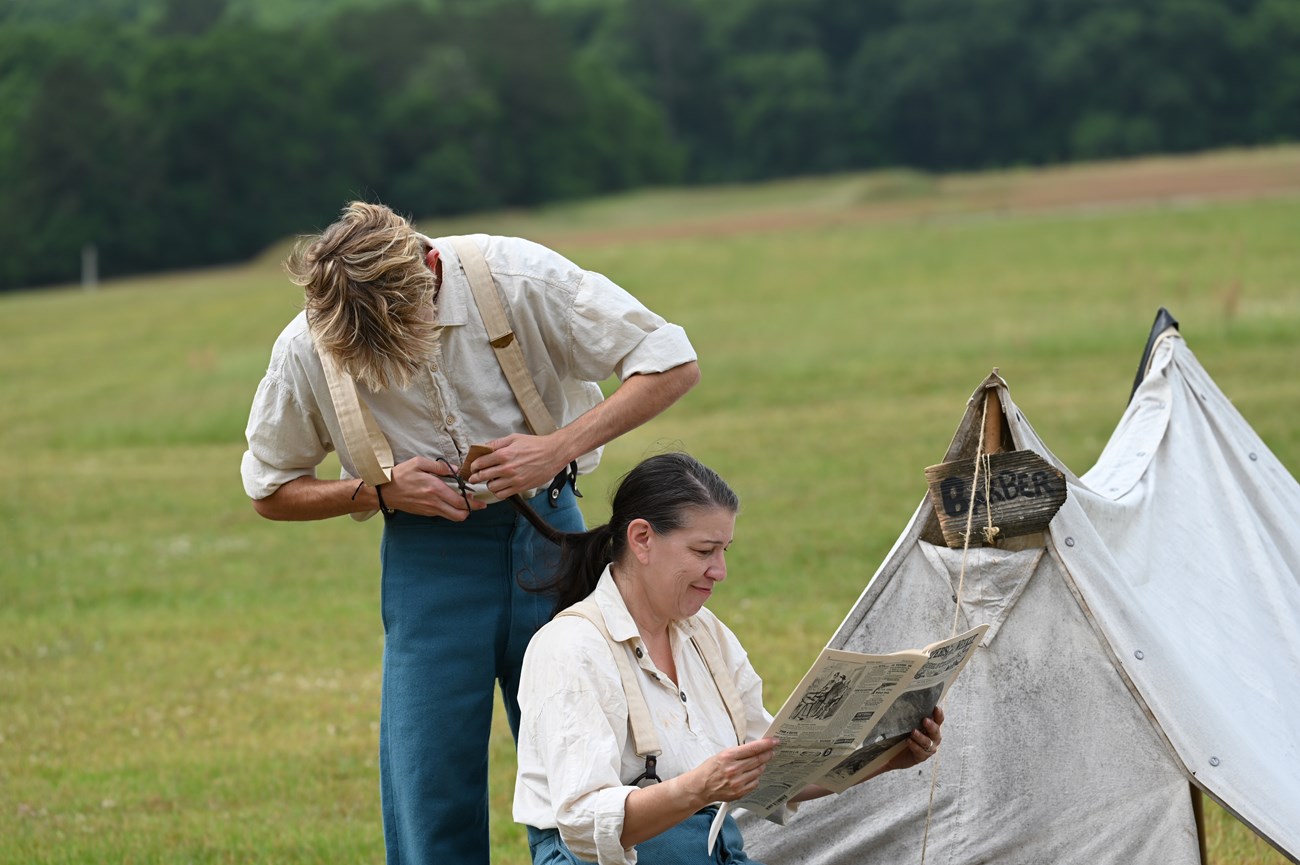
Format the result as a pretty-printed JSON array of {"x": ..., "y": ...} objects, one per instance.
[{"x": 850, "y": 715}]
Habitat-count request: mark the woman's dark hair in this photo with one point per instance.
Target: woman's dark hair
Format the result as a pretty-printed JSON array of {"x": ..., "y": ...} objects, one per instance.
[{"x": 660, "y": 490}]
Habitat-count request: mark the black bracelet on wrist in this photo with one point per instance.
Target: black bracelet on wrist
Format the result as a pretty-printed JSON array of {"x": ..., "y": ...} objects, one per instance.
[
  {"x": 357, "y": 490},
  {"x": 379, "y": 494}
]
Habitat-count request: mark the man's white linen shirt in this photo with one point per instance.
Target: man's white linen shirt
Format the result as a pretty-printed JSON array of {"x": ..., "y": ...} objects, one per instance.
[
  {"x": 575, "y": 327},
  {"x": 575, "y": 751}
]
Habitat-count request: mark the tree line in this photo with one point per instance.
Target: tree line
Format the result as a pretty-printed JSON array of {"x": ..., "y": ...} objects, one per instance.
[{"x": 173, "y": 133}]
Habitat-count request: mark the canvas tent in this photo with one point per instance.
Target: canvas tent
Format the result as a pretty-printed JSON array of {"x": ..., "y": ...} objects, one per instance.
[{"x": 1148, "y": 639}]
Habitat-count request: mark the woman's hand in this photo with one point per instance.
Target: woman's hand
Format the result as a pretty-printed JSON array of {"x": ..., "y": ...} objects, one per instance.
[
  {"x": 724, "y": 777},
  {"x": 922, "y": 743},
  {"x": 730, "y": 774}
]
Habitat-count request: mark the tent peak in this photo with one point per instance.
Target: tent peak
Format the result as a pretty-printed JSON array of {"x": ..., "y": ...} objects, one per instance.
[
  {"x": 993, "y": 381},
  {"x": 1163, "y": 322}
]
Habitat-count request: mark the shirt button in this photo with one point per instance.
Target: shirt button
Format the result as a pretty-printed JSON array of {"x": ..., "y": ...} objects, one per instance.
[
  {"x": 639, "y": 653},
  {"x": 683, "y": 696},
  {"x": 451, "y": 420}
]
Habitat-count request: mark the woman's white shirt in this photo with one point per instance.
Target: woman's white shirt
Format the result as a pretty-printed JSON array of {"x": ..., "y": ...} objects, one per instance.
[{"x": 575, "y": 751}]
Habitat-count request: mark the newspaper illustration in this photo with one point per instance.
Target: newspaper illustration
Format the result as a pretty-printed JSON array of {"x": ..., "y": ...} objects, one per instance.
[{"x": 851, "y": 714}]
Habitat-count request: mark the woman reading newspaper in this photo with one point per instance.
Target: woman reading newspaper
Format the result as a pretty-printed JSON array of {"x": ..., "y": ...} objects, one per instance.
[{"x": 589, "y": 788}]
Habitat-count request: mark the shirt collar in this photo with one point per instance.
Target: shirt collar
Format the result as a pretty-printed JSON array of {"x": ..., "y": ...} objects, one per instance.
[
  {"x": 455, "y": 287},
  {"x": 622, "y": 627}
]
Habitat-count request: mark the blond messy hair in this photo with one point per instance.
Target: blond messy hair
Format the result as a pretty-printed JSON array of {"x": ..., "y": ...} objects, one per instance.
[{"x": 369, "y": 294}]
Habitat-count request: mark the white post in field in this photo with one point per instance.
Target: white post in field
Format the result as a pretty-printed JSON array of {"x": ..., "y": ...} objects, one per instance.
[{"x": 89, "y": 267}]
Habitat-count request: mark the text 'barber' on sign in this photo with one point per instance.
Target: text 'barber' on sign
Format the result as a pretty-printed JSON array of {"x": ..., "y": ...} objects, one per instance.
[{"x": 1014, "y": 492}]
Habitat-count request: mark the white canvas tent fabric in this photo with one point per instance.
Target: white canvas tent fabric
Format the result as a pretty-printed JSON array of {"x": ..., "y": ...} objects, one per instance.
[{"x": 1150, "y": 637}]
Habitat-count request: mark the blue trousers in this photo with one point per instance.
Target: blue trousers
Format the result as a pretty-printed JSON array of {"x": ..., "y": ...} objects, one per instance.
[
  {"x": 684, "y": 844},
  {"x": 456, "y": 623}
]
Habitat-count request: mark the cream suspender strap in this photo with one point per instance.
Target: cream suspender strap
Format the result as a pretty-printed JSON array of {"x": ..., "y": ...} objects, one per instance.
[
  {"x": 706, "y": 643},
  {"x": 502, "y": 336},
  {"x": 371, "y": 455},
  {"x": 645, "y": 742}
]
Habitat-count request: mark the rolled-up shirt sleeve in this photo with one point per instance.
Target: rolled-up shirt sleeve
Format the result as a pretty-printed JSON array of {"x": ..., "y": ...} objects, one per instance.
[
  {"x": 573, "y": 730},
  {"x": 583, "y": 762},
  {"x": 286, "y": 440},
  {"x": 614, "y": 332}
]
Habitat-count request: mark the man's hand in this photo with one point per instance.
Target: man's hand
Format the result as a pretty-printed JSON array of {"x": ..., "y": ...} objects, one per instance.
[
  {"x": 518, "y": 463},
  {"x": 725, "y": 777},
  {"x": 523, "y": 462},
  {"x": 418, "y": 487}
]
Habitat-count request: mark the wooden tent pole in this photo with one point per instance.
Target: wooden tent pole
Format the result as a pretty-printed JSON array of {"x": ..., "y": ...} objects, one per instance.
[
  {"x": 992, "y": 422},
  {"x": 1198, "y": 812}
]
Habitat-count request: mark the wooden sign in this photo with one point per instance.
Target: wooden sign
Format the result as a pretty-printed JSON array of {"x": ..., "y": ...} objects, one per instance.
[{"x": 1023, "y": 492}]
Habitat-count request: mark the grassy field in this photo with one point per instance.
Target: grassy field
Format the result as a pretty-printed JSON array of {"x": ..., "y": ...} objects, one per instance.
[{"x": 182, "y": 682}]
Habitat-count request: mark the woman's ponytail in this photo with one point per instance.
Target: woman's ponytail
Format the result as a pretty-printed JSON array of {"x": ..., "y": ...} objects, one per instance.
[{"x": 660, "y": 490}]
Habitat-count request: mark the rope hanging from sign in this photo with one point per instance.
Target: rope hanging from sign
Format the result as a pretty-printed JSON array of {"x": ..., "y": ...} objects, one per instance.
[{"x": 990, "y": 532}]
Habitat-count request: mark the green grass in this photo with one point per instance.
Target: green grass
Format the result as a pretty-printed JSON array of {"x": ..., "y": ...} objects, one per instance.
[{"x": 181, "y": 681}]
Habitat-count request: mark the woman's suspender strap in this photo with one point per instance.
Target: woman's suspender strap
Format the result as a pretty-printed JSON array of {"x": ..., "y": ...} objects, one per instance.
[
  {"x": 706, "y": 643},
  {"x": 645, "y": 741}
]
